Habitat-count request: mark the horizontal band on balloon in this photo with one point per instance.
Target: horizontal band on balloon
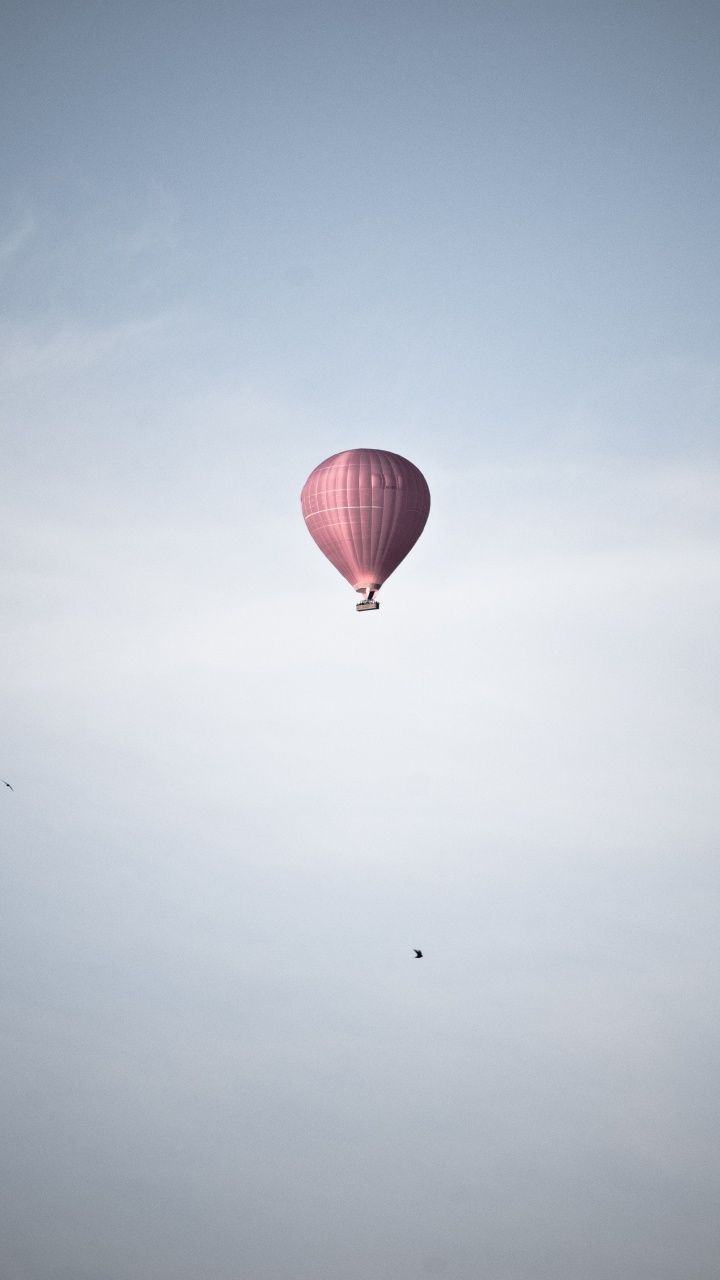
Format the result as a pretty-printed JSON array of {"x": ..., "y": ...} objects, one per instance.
[
  {"x": 363, "y": 506},
  {"x": 369, "y": 507}
]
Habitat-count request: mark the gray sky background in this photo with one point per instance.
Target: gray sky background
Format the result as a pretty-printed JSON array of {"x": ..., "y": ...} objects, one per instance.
[{"x": 236, "y": 238}]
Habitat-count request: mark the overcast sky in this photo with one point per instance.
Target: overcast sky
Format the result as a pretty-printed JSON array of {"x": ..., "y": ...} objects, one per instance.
[{"x": 237, "y": 237}]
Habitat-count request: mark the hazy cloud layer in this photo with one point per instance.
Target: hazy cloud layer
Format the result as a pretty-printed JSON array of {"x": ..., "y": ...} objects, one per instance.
[{"x": 478, "y": 239}]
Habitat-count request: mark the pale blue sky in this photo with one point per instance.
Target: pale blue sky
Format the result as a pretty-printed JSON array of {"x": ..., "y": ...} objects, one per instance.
[
  {"x": 234, "y": 239},
  {"x": 496, "y": 215}
]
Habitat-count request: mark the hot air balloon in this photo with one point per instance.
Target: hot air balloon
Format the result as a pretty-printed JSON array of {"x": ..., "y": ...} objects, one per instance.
[{"x": 365, "y": 508}]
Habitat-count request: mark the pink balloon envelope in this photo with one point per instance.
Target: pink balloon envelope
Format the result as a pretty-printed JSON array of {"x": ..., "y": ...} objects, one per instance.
[{"x": 366, "y": 508}]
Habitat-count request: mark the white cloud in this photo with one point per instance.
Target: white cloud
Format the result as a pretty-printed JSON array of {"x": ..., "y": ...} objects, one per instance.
[
  {"x": 74, "y": 348},
  {"x": 15, "y": 238},
  {"x": 549, "y": 664}
]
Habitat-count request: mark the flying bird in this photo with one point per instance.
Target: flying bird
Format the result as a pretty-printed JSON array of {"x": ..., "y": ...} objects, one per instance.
[
  {"x": 6, "y": 784},
  {"x": 418, "y": 954}
]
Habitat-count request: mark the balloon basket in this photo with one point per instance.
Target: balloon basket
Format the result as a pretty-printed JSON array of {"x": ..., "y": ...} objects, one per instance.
[{"x": 364, "y": 605}]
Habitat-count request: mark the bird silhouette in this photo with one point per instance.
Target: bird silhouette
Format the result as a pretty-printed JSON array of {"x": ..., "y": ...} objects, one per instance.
[
  {"x": 418, "y": 954},
  {"x": 7, "y": 784}
]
